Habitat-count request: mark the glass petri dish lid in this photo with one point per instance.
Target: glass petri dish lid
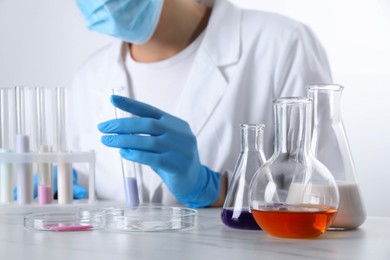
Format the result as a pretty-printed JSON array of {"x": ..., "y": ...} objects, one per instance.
[
  {"x": 81, "y": 220},
  {"x": 150, "y": 219}
]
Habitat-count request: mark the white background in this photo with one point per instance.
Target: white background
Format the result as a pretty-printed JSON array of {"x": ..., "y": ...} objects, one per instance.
[{"x": 42, "y": 42}]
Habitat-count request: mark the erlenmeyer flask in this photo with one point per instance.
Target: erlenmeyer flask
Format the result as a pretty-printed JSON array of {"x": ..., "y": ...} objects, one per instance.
[
  {"x": 235, "y": 211},
  {"x": 293, "y": 195},
  {"x": 330, "y": 146}
]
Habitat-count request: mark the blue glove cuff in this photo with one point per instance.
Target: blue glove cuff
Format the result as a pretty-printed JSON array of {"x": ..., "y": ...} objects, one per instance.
[{"x": 207, "y": 190}]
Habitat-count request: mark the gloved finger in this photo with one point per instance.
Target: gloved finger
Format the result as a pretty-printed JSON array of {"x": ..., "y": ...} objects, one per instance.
[
  {"x": 35, "y": 185},
  {"x": 79, "y": 192},
  {"x": 137, "y": 142},
  {"x": 136, "y": 108},
  {"x": 147, "y": 158},
  {"x": 137, "y": 125}
]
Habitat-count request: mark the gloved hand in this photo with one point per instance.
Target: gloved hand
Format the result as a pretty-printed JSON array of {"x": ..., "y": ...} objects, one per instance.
[
  {"x": 79, "y": 192},
  {"x": 166, "y": 144}
]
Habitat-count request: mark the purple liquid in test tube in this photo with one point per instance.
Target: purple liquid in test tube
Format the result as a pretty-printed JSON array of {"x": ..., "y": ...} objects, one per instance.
[
  {"x": 131, "y": 191},
  {"x": 129, "y": 169}
]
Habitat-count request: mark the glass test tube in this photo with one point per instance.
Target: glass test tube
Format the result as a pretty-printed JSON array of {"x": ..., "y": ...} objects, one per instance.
[
  {"x": 22, "y": 145},
  {"x": 45, "y": 174},
  {"x": 129, "y": 168},
  {"x": 6, "y": 173},
  {"x": 64, "y": 170},
  {"x": 31, "y": 117}
]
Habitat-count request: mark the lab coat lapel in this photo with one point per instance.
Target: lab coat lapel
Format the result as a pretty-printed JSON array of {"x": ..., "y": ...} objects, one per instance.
[
  {"x": 204, "y": 88},
  {"x": 206, "y": 84}
]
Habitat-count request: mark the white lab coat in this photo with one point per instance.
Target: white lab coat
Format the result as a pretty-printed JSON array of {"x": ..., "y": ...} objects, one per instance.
[{"x": 246, "y": 59}]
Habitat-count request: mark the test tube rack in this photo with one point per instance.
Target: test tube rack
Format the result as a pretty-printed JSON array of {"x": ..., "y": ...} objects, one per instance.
[
  {"x": 32, "y": 140},
  {"x": 57, "y": 157}
]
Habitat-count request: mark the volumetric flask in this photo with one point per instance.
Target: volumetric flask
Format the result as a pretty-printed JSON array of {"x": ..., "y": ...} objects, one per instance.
[
  {"x": 293, "y": 195},
  {"x": 330, "y": 146},
  {"x": 235, "y": 212}
]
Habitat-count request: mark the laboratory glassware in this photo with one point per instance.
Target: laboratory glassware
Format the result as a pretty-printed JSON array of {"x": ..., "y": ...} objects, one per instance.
[
  {"x": 22, "y": 145},
  {"x": 45, "y": 174},
  {"x": 129, "y": 168},
  {"x": 293, "y": 195},
  {"x": 6, "y": 169},
  {"x": 64, "y": 169},
  {"x": 76, "y": 220},
  {"x": 330, "y": 146},
  {"x": 150, "y": 219},
  {"x": 235, "y": 211}
]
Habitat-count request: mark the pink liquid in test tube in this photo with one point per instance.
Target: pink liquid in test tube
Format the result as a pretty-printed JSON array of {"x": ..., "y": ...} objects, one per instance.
[{"x": 45, "y": 195}]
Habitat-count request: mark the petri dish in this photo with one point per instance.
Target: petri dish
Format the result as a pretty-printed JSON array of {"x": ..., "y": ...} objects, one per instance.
[
  {"x": 150, "y": 219},
  {"x": 80, "y": 220}
]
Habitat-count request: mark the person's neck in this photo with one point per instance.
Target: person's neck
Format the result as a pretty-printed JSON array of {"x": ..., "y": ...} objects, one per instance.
[{"x": 181, "y": 22}]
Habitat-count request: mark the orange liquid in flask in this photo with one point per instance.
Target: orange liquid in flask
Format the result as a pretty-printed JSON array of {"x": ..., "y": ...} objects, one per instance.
[{"x": 295, "y": 224}]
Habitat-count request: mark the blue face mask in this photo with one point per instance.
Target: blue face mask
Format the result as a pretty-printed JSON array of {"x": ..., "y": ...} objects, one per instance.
[{"x": 132, "y": 21}]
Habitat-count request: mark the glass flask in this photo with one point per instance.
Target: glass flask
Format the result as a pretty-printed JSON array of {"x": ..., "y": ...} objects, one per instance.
[
  {"x": 293, "y": 195},
  {"x": 235, "y": 211},
  {"x": 330, "y": 146}
]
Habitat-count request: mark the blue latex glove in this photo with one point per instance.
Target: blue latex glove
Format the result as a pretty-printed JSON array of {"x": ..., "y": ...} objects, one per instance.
[
  {"x": 79, "y": 192},
  {"x": 166, "y": 144}
]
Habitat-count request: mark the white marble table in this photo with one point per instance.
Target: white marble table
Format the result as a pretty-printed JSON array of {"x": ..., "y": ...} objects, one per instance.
[{"x": 211, "y": 240}]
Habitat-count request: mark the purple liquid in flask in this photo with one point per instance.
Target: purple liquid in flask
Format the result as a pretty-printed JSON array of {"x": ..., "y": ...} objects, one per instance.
[{"x": 240, "y": 219}]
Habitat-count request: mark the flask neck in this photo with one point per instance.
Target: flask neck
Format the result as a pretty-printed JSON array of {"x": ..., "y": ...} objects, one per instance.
[
  {"x": 252, "y": 137},
  {"x": 292, "y": 127},
  {"x": 326, "y": 103}
]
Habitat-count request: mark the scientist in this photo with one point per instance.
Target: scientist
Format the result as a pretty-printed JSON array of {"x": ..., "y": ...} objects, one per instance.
[{"x": 194, "y": 71}]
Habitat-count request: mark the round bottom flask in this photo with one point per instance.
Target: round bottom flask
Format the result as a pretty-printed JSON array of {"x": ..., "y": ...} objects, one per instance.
[{"x": 293, "y": 195}]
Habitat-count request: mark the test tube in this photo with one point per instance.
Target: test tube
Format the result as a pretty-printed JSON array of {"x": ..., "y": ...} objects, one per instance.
[
  {"x": 129, "y": 168},
  {"x": 6, "y": 173},
  {"x": 22, "y": 145},
  {"x": 64, "y": 170},
  {"x": 31, "y": 117},
  {"x": 45, "y": 179}
]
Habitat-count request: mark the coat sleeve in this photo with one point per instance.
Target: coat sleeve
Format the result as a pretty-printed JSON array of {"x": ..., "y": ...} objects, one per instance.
[{"x": 302, "y": 61}]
